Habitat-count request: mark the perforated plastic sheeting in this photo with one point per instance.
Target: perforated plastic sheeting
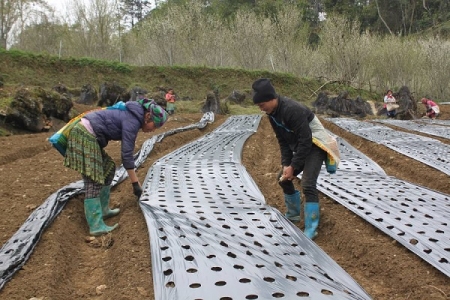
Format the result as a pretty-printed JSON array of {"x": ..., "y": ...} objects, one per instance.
[
  {"x": 213, "y": 237},
  {"x": 415, "y": 216},
  {"x": 354, "y": 160},
  {"x": 428, "y": 128},
  {"x": 426, "y": 150},
  {"x": 437, "y": 122},
  {"x": 16, "y": 251},
  {"x": 147, "y": 146}
]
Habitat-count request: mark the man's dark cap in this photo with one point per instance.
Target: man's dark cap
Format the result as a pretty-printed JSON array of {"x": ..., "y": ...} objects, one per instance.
[{"x": 263, "y": 91}]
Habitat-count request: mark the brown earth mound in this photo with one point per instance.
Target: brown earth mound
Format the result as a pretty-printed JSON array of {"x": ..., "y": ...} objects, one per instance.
[{"x": 66, "y": 264}]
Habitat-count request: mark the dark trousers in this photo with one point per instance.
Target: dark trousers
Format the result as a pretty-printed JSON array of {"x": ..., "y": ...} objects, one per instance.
[
  {"x": 391, "y": 114},
  {"x": 311, "y": 171}
]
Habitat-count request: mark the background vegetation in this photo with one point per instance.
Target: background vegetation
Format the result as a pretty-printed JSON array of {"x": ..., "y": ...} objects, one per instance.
[
  {"x": 191, "y": 84},
  {"x": 373, "y": 45}
]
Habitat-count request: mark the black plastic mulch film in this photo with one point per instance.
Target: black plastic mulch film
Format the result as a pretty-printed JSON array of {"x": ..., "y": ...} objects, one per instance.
[
  {"x": 415, "y": 216},
  {"x": 426, "y": 150},
  {"x": 212, "y": 235},
  {"x": 433, "y": 122},
  {"x": 430, "y": 127},
  {"x": 16, "y": 251}
]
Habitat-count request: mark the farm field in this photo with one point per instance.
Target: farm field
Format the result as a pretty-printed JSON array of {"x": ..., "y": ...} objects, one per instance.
[{"x": 66, "y": 264}]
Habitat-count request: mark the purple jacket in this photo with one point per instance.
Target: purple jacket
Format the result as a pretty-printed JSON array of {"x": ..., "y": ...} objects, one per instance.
[{"x": 118, "y": 125}]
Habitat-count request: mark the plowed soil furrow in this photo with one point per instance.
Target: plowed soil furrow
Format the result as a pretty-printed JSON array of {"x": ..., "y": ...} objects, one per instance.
[
  {"x": 22, "y": 147},
  {"x": 65, "y": 266}
]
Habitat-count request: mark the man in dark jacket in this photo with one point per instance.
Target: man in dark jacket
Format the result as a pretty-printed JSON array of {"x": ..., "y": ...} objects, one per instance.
[{"x": 291, "y": 121}]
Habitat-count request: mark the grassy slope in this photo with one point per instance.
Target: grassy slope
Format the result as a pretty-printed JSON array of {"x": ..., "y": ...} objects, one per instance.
[{"x": 28, "y": 69}]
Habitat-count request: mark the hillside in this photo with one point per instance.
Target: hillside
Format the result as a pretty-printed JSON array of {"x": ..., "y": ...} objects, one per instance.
[
  {"x": 22, "y": 69},
  {"x": 66, "y": 264}
]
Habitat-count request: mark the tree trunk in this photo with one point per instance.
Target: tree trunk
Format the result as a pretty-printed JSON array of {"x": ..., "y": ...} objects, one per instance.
[
  {"x": 381, "y": 18},
  {"x": 2, "y": 42}
]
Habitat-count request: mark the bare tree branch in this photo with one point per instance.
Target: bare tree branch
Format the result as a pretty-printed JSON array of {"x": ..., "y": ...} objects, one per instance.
[
  {"x": 424, "y": 4},
  {"x": 382, "y": 20}
]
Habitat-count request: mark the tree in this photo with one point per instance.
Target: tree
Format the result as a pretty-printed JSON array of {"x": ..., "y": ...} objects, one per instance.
[
  {"x": 381, "y": 17},
  {"x": 43, "y": 36},
  {"x": 95, "y": 29},
  {"x": 12, "y": 13},
  {"x": 134, "y": 11},
  {"x": 395, "y": 17}
]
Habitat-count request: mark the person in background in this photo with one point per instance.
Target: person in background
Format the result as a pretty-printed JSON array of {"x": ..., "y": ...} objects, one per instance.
[
  {"x": 295, "y": 127},
  {"x": 390, "y": 104},
  {"x": 86, "y": 154},
  {"x": 170, "y": 98},
  {"x": 432, "y": 109}
]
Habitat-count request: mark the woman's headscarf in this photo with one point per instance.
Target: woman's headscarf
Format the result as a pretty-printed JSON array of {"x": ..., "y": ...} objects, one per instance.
[{"x": 157, "y": 114}]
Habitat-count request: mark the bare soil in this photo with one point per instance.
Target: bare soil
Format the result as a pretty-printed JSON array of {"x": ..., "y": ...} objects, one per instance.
[{"x": 66, "y": 264}]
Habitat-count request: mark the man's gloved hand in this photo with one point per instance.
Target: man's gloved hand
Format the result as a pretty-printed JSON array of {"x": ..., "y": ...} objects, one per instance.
[{"x": 137, "y": 190}]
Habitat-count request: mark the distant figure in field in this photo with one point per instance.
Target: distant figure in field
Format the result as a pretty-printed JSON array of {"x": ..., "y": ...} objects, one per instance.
[
  {"x": 170, "y": 98},
  {"x": 431, "y": 107},
  {"x": 390, "y": 104}
]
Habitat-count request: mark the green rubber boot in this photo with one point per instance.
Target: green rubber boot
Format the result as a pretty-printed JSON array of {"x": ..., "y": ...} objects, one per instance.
[
  {"x": 312, "y": 217},
  {"x": 93, "y": 213},
  {"x": 293, "y": 206},
  {"x": 104, "y": 200}
]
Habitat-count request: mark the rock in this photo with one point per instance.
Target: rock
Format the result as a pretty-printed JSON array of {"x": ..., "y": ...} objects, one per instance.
[
  {"x": 111, "y": 93},
  {"x": 95, "y": 243},
  {"x": 25, "y": 111},
  {"x": 89, "y": 239},
  {"x": 56, "y": 105},
  {"x": 31, "y": 206},
  {"x": 237, "y": 97},
  {"x": 408, "y": 106},
  {"x": 340, "y": 105},
  {"x": 212, "y": 103},
  {"x": 137, "y": 91},
  {"x": 32, "y": 109},
  {"x": 60, "y": 89},
  {"x": 100, "y": 289},
  {"x": 88, "y": 95}
]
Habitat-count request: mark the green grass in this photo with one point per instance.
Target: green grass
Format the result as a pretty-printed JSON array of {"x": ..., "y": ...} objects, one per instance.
[
  {"x": 188, "y": 106},
  {"x": 4, "y": 132},
  {"x": 193, "y": 82},
  {"x": 232, "y": 109},
  {"x": 235, "y": 109},
  {"x": 28, "y": 69},
  {"x": 5, "y": 98}
]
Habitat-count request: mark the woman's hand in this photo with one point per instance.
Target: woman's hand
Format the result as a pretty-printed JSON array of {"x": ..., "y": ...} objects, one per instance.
[{"x": 137, "y": 190}]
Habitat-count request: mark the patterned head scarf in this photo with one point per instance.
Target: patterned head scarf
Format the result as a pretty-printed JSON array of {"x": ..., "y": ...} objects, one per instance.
[{"x": 158, "y": 114}]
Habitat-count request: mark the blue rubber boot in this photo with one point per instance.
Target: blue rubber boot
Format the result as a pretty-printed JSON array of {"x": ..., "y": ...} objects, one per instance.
[
  {"x": 312, "y": 217},
  {"x": 105, "y": 193},
  {"x": 293, "y": 206},
  {"x": 93, "y": 213}
]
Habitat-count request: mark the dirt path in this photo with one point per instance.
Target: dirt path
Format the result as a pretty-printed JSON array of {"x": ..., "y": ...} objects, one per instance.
[{"x": 66, "y": 265}]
